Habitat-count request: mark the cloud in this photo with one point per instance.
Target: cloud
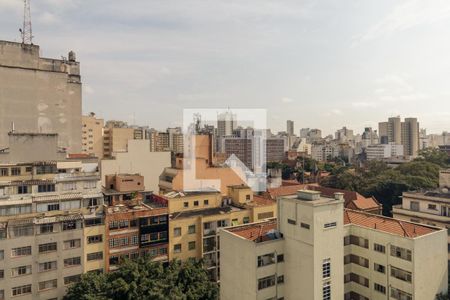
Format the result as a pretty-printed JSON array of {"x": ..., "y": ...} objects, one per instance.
[
  {"x": 364, "y": 104},
  {"x": 407, "y": 15},
  {"x": 287, "y": 100},
  {"x": 48, "y": 18}
]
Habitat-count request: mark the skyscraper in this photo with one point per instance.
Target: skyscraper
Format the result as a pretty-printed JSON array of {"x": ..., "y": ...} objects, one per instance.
[
  {"x": 401, "y": 133},
  {"x": 290, "y": 127},
  {"x": 226, "y": 123}
]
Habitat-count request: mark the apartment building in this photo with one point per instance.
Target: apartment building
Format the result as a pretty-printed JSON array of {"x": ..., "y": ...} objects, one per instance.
[
  {"x": 430, "y": 207},
  {"x": 317, "y": 249},
  {"x": 197, "y": 216},
  {"x": 115, "y": 139},
  {"x": 92, "y": 135},
  {"x": 401, "y": 133},
  {"x": 205, "y": 173},
  {"x": 384, "y": 151},
  {"x": 39, "y": 95},
  {"x": 43, "y": 226},
  {"x": 133, "y": 227}
]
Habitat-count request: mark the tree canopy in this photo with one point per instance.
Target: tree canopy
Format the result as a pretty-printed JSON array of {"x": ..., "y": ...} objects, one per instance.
[
  {"x": 144, "y": 279},
  {"x": 386, "y": 183}
]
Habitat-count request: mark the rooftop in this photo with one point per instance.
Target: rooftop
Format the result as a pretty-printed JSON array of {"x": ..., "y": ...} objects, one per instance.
[
  {"x": 258, "y": 232},
  {"x": 285, "y": 190},
  {"x": 185, "y": 193},
  {"x": 385, "y": 224},
  {"x": 205, "y": 212}
]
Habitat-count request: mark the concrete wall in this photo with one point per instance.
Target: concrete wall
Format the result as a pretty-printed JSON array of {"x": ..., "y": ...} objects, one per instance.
[
  {"x": 140, "y": 160},
  {"x": 39, "y": 95}
]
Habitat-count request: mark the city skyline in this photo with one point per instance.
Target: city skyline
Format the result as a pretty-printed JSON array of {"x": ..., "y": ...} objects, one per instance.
[{"x": 313, "y": 72}]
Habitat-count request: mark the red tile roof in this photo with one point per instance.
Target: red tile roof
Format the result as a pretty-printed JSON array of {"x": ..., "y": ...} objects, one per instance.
[
  {"x": 385, "y": 224},
  {"x": 261, "y": 201},
  {"x": 256, "y": 232},
  {"x": 353, "y": 200},
  {"x": 284, "y": 190}
]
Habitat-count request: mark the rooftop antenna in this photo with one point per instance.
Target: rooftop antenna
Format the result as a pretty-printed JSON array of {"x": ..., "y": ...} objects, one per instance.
[{"x": 25, "y": 31}]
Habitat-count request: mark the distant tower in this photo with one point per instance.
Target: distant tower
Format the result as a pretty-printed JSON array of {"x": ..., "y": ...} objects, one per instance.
[{"x": 26, "y": 32}]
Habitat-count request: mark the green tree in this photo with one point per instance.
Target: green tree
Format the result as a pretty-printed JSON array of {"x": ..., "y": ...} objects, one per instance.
[
  {"x": 434, "y": 155},
  {"x": 144, "y": 279}
]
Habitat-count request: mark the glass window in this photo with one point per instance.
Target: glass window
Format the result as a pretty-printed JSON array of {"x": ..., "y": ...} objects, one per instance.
[
  {"x": 177, "y": 248},
  {"x": 177, "y": 231},
  {"x": 266, "y": 259},
  {"x": 21, "y": 251},
  {"x": 48, "y": 284},
  {"x": 94, "y": 256},
  {"x": 326, "y": 268},
  {"x": 72, "y": 261},
  {"x": 191, "y": 245},
  {"x": 21, "y": 290},
  {"x": 191, "y": 229},
  {"x": 94, "y": 239},
  {"x": 266, "y": 282}
]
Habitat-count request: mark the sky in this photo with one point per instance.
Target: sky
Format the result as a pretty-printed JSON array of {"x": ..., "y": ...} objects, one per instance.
[{"x": 324, "y": 64}]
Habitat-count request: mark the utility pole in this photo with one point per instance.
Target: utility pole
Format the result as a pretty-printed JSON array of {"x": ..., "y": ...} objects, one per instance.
[{"x": 26, "y": 31}]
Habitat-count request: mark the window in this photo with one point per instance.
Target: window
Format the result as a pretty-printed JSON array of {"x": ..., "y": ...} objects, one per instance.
[
  {"x": 22, "y": 230},
  {"x": 93, "y": 222},
  {"x": 90, "y": 184},
  {"x": 15, "y": 171},
  {"x": 94, "y": 256},
  {"x": 266, "y": 282},
  {"x": 186, "y": 204},
  {"x": 266, "y": 259},
  {"x": 2, "y": 254},
  {"x": 414, "y": 206},
  {"x": 4, "y": 172},
  {"x": 191, "y": 245},
  {"x": 71, "y": 244},
  {"x": 51, "y": 207},
  {"x": 22, "y": 189},
  {"x": 432, "y": 206},
  {"x": 379, "y": 268},
  {"x": 20, "y": 271},
  {"x": 69, "y": 225},
  {"x": 326, "y": 291},
  {"x": 399, "y": 294},
  {"x": 247, "y": 197},
  {"x": 46, "y": 228},
  {"x": 2, "y": 274},
  {"x": 221, "y": 223},
  {"x": 46, "y": 188},
  {"x": 71, "y": 279},
  {"x": 246, "y": 220},
  {"x": 304, "y": 225},
  {"x": 21, "y": 290},
  {"x": 28, "y": 169},
  {"x": 265, "y": 215},
  {"x": 48, "y": 284},
  {"x": 47, "y": 266},
  {"x": 92, "y": 202},
  {"x": 326, "y": 268},
  {"x": 191, "y": 229},
  {"x": 379, "y": 248},
  {"x": 280, "y": 279},
  {"x": 94, "y": 239},
  {"x": 329, "y": 225},
  {"x": 379, "y": 288},
  {"x": 401, "y": 274},
  {"x": 195, "y": 203},
  {"x": 401, "y": 252},
  {"x": 72, "y": 261},
  {"x": 205, "y": 202},
  {"x": 356, "y": 240},
  {"x": 280, "y": 257},
  {"x": 134, "y": 240},
  {"x": 177, "y": 248},
  {"x": 2, "y": 294},
  {"x": 292, "y": 222},
  {"x": 21, "y": 251},
  {"x": 177, "y": 231}
]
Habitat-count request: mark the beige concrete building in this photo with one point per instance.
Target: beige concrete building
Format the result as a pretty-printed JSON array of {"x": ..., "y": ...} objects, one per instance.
[
  {"x": 197, "y": 216},
  {"x": 92, "y": 135},
  {"x": 401, "y": 133},
  {"x": 39, "y": 95},
  {"x": 115, "y": 139},
  {"x": 138, "y": 159},
  {"x": 48, "y": 211},
  {"x": 319, "y": 250}
]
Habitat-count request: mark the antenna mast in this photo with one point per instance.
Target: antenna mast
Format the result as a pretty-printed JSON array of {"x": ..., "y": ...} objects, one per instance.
[{"x": 26, "y": 32}]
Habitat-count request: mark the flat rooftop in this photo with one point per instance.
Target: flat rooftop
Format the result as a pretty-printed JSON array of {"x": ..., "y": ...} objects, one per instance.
[
  {"x": 185, "y": 193},
  {"x": 205, "y": 212},
  {"x": 258, "y": 232},
  {"x": 385, "y": 224}
]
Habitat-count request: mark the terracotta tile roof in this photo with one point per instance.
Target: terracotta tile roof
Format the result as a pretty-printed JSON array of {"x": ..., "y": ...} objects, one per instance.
[
  {"x": 386, "y": 224},
  {"x": 261, "y": 201},
  {"x": 79, "y": 155},
  {"x": 256, "y": 232},
  {"x": 353, "y": 200},
  {"x": 285, "y": 190}
]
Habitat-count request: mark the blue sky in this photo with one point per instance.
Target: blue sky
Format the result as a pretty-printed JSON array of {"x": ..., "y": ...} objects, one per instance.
[{"x": 323, "y": 64}]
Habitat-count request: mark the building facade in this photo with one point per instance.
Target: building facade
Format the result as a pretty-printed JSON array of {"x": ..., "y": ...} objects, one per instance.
[
  {"x": 316, "y": 249},
  {"x": 92, "y": 135},
  {"x": 39, "y": 95}
]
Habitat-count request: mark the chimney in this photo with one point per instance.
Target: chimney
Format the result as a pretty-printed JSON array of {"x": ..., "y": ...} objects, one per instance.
[{"x": 339, "y": 196}]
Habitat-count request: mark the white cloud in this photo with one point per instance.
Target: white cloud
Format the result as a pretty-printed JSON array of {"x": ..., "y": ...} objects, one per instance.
[
  {"x": 364, "y": 104},
  {"x": 407, "y": 15},
  {"x": 48, "y": 18},
  {"x": 287, "y": 100}
]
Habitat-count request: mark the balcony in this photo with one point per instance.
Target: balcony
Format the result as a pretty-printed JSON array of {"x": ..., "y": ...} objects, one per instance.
[{"x": 78, "y": 175}]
